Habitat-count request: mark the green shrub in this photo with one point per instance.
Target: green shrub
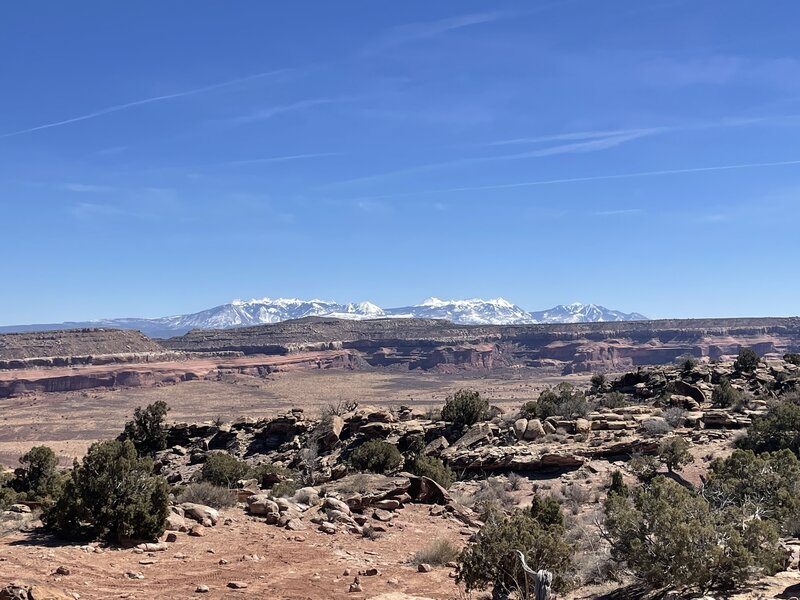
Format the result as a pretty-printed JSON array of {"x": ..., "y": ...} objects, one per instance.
[
  {"x": 669, "y": 536},
  {"x": 111, "y": 494},
  {"x": 146, "y": 430},
  {"x": 644, "y": 466},
  {"x": 687, "y": 363},
  {"x": 465, "y": 407},
  {"x": 747, "y": 361},
  {"x": 539, "y": 535},
  {"x": 37, "y": 478},
  {"x": 725, "y": 395},
  {"x": 674, "y": 453},
  {"x": 8, "y": 495},
  {"x": 613, "y": 400},
  {"x": 224, "y": 469},
  {"x": 618, "y": 485},
  {"x": 376, "y": 456},
  {"x": 767, "y": 485},
  {"x": 268, "y": 475},
  {"x": 562, "y": 401},
  {"x": 598, "y": 381},
  {"x": 438, "y": 553},
  {"x": 777, "y": 430},
  {"x": 284, "y": 489},
  {"x": 432, "y": 467},
  {"x": 208, "y": 494},
  {"x": 792, "y": 357}
]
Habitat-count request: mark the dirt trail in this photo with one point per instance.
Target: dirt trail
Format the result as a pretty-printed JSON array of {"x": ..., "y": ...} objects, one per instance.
[{"x": 304, "y": 565}]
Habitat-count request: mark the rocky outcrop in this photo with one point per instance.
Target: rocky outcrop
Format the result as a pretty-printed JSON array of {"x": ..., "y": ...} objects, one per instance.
[
  {"x": 75, "y": 343},
  {"x": 578, "y": 347}
]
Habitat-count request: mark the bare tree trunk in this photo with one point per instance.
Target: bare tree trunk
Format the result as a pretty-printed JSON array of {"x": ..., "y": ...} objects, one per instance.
[{"x": 543, "y": 582}]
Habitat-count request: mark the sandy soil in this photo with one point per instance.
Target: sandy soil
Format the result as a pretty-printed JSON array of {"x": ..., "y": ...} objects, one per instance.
[{"x": 304, "y": 565}]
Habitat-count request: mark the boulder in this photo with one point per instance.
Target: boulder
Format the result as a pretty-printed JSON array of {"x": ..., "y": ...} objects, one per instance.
[
  {"x": 262, "y": 505},
  {"x": 336, "y": 504},
  {"x": 520, "y": 426},
  {"x": 427, "y": 491},
  {"x": 436, "y": 446},
  {"x": 200, "y": 513},
  {"x": 534, "y": 430}
]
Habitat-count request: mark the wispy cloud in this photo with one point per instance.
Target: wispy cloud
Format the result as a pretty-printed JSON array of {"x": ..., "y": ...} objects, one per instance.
[
  {"x": 576, "y": 135},
  {"x": 278, "y": 159},
  {"x": 93, "y": 211},
  {"x": 618, "y": 212},
  {"x": 412, "y": 32},
  {"x": 84, "y": 188},
  {"x": 606, "y": 141},
  {"x": 135, "y": 103},
  {"x": 723, "y": 70},
  {"x": 263, "y": 114},
  {"x": 524, "y": 184}
]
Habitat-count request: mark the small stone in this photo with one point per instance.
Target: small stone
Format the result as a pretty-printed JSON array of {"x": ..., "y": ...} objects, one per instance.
[
  {"x": 356, "y": 586},
  {"x": 424, "y": 568},
  {"x": 147, "y": 561},
  {"x": 171, "y": 538},
  {"x": 63, "y": 571},
  {"x": 222, "y": 561},
  {"x": 134, "y": 575},
  {"x": 369, "y": 572},
  {"x": 346, "y": 573},
  {"x": 237, "y": 585},
  {"x": 201, "y": 589},
  {"x": 198, "y": 531}
]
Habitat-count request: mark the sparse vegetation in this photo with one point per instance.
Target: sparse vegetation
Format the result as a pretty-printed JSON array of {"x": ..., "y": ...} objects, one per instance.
[
  {"x": 792, "y": 357},
  {"x": 747, "y": 361},
  {"x": 38, "y": 477},
  {"x": 674, "y": 416},
  {"x": 208, "y": 494},
  {"x": 268, "y": 475},
  {"x": 725, "y": 395},
  {"x": 613, "y": 400},
  {"x": 669, "y": 536},
  {"x": 111, "y": 494},
  {"x": 284, "y": 489},
  {"x": 376, "y": 456},
  {"x": 146, "y": 430},
  {"x": 438, "y": 553},
  {"x": 687, "y": 363},
  {"x": 656, "y": 426},
  {"x": 562, "y": 401},
  {"x": 777, "y": 430},
  {"x": 434, "y": 468},
  {"x": 618, "y": 485},
  {"x": 465, "y": 408},
  {"x": 765, "y": 485},
  {"x": 224, "y": 470},
  {"x": 599, "y": 382},
  {"x": 674, "y": 453},
  {"x": 537, "y": 532}
]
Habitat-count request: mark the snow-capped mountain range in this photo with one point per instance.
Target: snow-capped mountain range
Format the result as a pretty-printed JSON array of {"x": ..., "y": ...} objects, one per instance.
[{"x": 242, "y": 313}]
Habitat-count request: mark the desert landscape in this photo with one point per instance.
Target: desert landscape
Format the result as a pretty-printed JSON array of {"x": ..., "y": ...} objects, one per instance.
[
  {"x": 454, "y": 300},
  {"x": 302, "y": 397}
]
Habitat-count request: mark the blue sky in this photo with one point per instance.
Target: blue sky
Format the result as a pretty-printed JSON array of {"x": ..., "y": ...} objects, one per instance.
[{"x": 163, "y": 157}]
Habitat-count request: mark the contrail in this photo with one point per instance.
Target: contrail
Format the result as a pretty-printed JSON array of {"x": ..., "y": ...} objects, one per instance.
[
  {"x": 127, "y": 105},
  {"x": 502, "y": 186}
]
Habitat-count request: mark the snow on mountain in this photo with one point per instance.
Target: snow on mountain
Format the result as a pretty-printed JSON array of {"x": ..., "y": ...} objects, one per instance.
[
  {"x": 474, "y": 311},
  {"x": 242, "y": 313},
  {"x": 583, "y": 313}
]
